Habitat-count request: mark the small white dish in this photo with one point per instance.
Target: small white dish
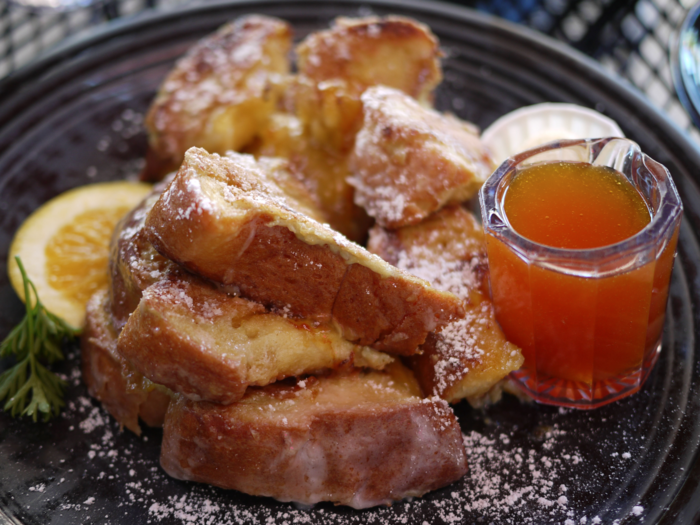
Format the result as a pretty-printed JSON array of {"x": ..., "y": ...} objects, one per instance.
[{"x": 532, "y": 126}]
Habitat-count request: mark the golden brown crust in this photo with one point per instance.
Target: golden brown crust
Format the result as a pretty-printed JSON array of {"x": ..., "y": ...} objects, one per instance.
[
  {"x": 194, "y": 224},
  {"x": 386, "y": 313},
  {"x": 335, "y": 67},
  {"x": 330, "y": 112},
  {"x": 219, "y": 95},
  {"x": 358, "y": 439},
  {"x": 206, "y": 345},
  {"x": 241, "y": 233},
  {"x": 197, "y": 340},
  {"x": 410, "y": 161},
  {"x": 393, "y": 51},
  {"x": 110, "y": 379},
  {"x": 135, "y": 264},
  {"x": 471, "y": 355},
  {"x": 281, "y": 173}
]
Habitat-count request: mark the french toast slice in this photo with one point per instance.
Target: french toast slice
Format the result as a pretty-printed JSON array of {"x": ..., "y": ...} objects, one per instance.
[
  {"x": 452, "y": 236},
  {"x": 123, "y": 392},
  {"x": 220, "y": 94},
  {"x": 198, "y": 341},
  {"x": 409, "y": 161},
  {"x": 362, "y": 439},
  {"x": 330, "y": 112},
  {"x": 336, "y": 65},
  {"x": 471, "y": 355},
  {"x": 134, "y": 262},
  {"x": 220, "y": 220}
]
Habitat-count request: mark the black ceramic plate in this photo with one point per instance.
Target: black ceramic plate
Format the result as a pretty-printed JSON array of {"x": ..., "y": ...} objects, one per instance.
[{"x": 74, "y": 117}]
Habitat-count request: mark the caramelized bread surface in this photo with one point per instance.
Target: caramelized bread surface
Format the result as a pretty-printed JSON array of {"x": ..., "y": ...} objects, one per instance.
[
  {"x": 219, "y": 95},
  {"x": 134, "y": 262},
  {"x": 393, "y": 51},
  {"x": 124, "y": 393},
  {"x": 219, "y": 219},
  {"x": 336, "y": 65},
  {"x": 229, "y": 288},
  {"x": 329, "y": 110},
  {"x": 360, "y": 439},
  {"x": 206, "y": 345},
  {"x": 409, "y": 161},
  {"x": 471, "y": 355}
]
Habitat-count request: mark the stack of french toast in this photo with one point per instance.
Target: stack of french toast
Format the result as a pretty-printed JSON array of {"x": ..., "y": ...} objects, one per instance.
[{"x": 299, "y": 302}]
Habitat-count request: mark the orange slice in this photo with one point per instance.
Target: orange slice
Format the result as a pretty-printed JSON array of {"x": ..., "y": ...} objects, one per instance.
[{"x": 64, "y": 245}]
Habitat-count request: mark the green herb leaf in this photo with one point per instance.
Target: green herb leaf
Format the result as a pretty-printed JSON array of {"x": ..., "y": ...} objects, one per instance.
[{"x": 29, "y": 387}]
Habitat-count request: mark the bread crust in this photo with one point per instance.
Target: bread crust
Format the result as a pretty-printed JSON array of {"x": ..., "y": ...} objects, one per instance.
[
  {"x": 135, "y": 264},
  {"x": 218, "y": 223},
  {"x": 410, "y": 161},
  {"x": 110, "y": 379},
  {"x": 451, "y": 236},
  {"x": 183, "y": 332},
  {"x": 220, "y": 93},
  {"x": 467, "y": 359},
  {"x": 337, "y": 65},
  {"x": 355, "y": 439}
]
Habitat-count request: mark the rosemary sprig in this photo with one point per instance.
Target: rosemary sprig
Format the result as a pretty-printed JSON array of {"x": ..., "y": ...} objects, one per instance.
[{"x": 37, "y": 338}]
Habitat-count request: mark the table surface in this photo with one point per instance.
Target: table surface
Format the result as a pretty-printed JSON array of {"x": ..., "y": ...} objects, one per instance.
[{"x": 632, "y": 38}]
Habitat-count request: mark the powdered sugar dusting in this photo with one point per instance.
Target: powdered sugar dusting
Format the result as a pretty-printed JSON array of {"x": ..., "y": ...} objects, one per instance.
[
  {"x": 95, "y": 420},
  {"x": 527, "y": 465},
  {"x": 463, "y": 345},
  {"x": 409, "y": 161},
  {"x": 456, "y": 277},
  {"x": 540, "y": 480}
]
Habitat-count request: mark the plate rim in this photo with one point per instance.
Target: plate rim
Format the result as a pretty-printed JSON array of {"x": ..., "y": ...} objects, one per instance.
[{"x": 47, "y": 64}]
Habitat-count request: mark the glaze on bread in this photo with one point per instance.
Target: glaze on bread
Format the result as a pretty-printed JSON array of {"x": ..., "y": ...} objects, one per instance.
[
  {"x": 219, "y": 95},
  {"x": 362, "y": 439},
  {"x": 322, "y": 170},
  {"x": 393, "y": 51},
  {"x": 334, "y": 68},
  {"x": 134, "y": 264}
]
